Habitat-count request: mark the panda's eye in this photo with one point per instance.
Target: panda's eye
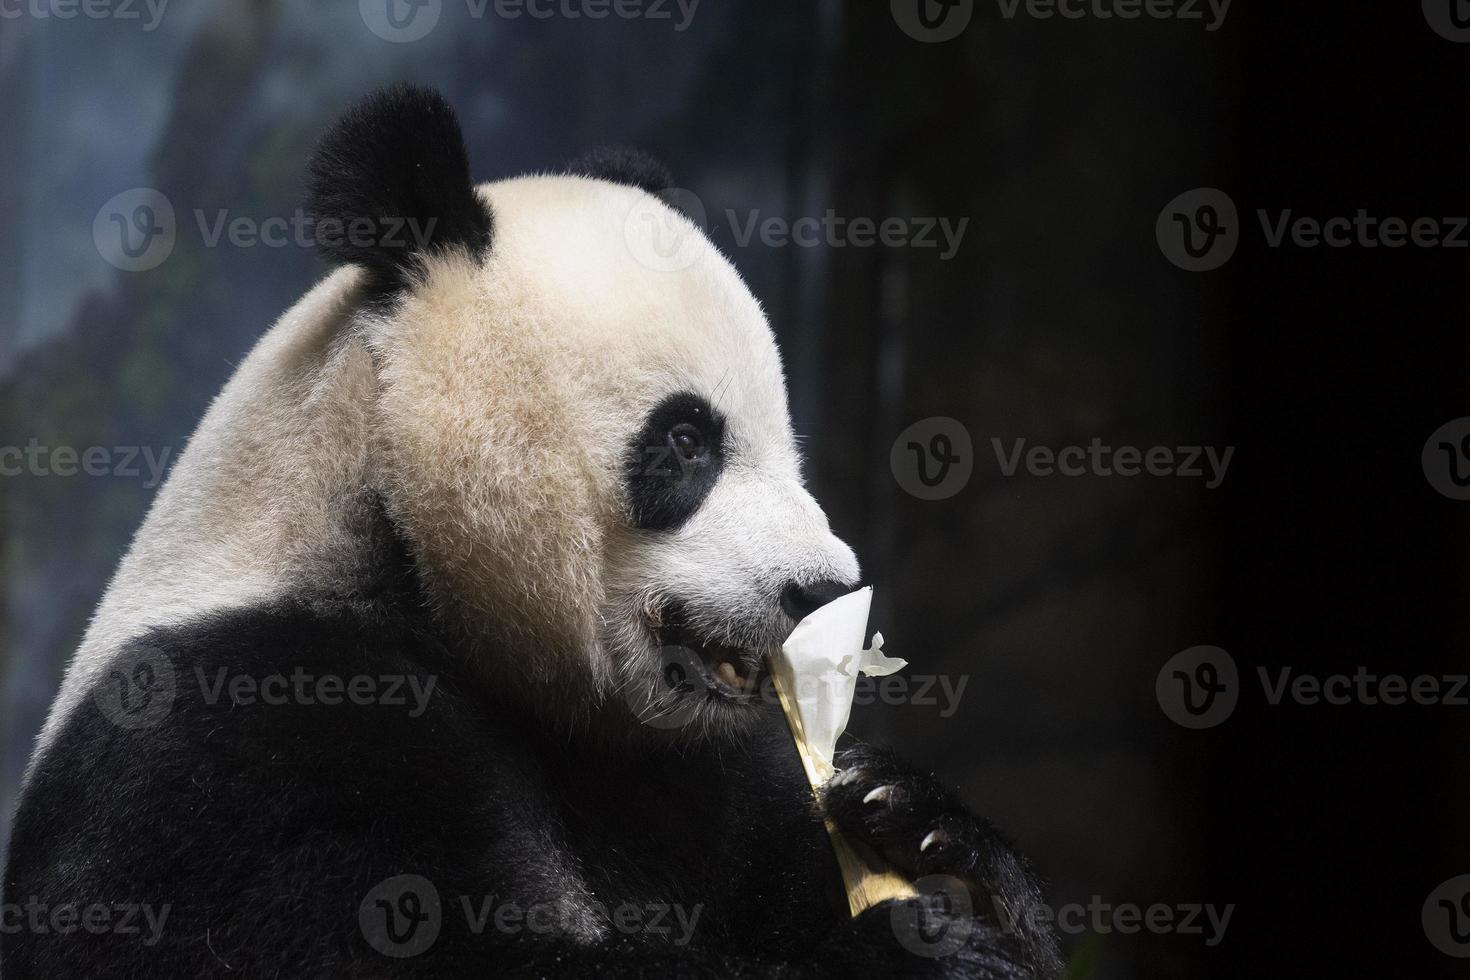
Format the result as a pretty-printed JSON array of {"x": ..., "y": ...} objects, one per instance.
[
  {"x": 687, "y": 442},
  {"x": 673, "y": 461}
]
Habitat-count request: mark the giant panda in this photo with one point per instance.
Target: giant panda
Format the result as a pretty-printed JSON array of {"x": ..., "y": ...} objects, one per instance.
[{"x": 383, "y": 687}]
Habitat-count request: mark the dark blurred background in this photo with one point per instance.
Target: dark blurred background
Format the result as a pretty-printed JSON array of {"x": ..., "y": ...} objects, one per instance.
[{"x": 1059, "y": 319}]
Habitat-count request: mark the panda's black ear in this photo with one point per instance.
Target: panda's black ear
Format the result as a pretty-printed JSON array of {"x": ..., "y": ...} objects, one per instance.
[
  {"x": 390, "y": 183},
  {"x": 624, "y": 165}
]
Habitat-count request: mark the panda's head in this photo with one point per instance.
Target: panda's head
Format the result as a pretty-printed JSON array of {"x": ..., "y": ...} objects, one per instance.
[{"x": 581, "y": 427}]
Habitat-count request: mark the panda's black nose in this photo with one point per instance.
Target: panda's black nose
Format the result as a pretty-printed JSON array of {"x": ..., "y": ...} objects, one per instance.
[{"x": 800, "y": 601}]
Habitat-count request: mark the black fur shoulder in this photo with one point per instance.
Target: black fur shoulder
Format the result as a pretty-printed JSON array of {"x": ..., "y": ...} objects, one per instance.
[
  {"x": 248, "y": 776},
  {"x": 322, "y": 789},
  {"x": 314, "y": 790}
]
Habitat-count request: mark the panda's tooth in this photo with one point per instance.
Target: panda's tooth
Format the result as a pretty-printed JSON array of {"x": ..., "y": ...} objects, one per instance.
[{"x": 726, "y": 670}]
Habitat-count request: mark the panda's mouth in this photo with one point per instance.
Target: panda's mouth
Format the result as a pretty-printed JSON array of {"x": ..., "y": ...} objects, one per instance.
[{"x": 727, "y": 670}]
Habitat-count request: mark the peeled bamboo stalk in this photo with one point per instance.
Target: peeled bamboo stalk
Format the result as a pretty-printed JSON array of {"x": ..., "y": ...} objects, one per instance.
[{"x": 869, "y": 879}]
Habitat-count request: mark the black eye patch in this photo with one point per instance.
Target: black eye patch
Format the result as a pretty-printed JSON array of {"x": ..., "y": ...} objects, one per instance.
[{"x": 673, "y": 462}]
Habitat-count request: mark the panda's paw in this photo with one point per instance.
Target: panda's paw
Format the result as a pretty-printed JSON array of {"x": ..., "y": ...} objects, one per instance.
[
  {"x": 909, "y": 817},
  {"x": 923, "y": 829}
]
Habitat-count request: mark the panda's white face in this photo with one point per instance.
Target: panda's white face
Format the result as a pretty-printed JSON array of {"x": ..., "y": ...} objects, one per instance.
[{"x": 590, "y": 452}]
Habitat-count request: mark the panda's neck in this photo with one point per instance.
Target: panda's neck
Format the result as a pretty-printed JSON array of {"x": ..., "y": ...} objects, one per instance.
[{"x": 267, "y": 497}]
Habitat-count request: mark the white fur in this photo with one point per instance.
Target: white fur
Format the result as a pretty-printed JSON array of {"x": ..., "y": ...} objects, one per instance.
[{"x": 492, "y": 410}]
